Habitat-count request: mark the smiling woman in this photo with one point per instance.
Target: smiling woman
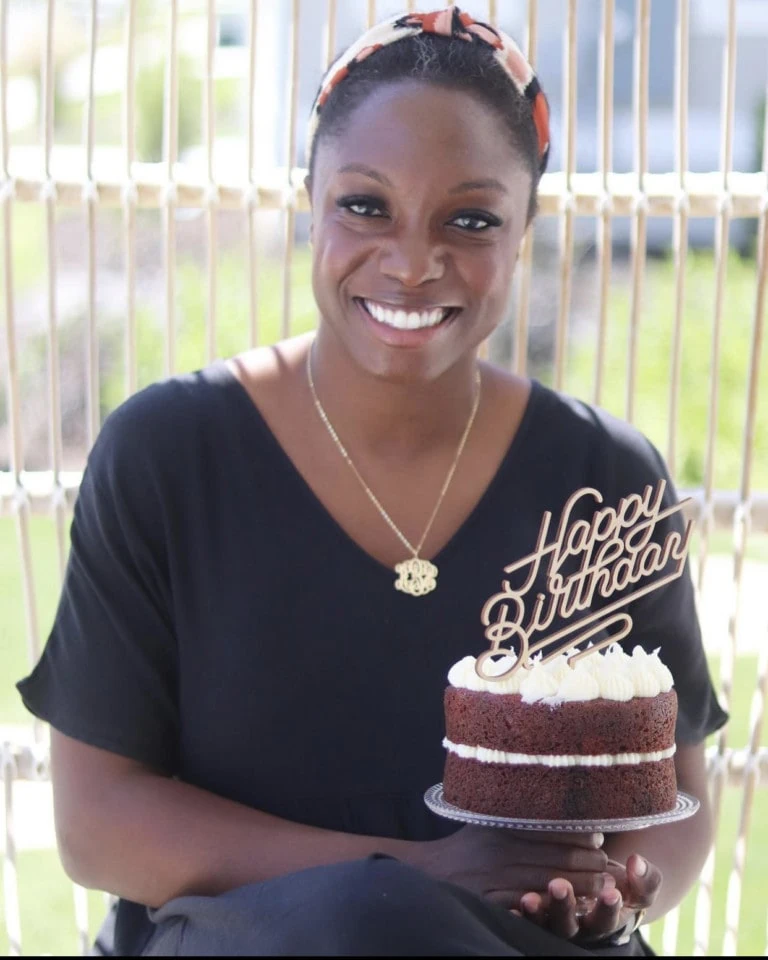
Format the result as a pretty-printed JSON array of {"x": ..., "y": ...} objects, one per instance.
[{"x": 280, "y": 557}]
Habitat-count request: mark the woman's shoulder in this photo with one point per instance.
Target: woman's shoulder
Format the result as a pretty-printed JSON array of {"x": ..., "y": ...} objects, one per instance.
[
  {"x": 268, "y": 374},
  {"x": 206, "y": 413},
  {"x": 167, "y": 420},
  {"x": 166, "y": 403},
  {"x": 578, "y": 428}
]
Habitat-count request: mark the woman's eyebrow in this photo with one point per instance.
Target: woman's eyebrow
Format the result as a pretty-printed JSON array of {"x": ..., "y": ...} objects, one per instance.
[
  {"x": 489, "y": 183},
  {"x": 366, "y": 172}
]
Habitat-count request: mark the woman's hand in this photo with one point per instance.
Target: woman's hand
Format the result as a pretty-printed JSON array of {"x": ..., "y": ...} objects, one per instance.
[
  {"x": 627, "y": 890},
  {"x": 502, "y": 865}
]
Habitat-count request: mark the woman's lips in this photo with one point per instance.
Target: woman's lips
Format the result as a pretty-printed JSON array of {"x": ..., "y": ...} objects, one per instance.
[
  {"x": 406, "y": 319},
  {"x": 404, "y": 337}
]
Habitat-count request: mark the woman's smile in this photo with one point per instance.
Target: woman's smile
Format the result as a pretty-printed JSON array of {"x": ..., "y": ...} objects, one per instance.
[
  {"x": 404, "y": 319},
  {"x": 397, "y": 327}
]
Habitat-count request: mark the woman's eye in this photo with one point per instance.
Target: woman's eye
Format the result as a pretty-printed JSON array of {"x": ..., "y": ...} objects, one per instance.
[
  {"x": 475, "y": 221},
  {"x": 362, "y": 206}
]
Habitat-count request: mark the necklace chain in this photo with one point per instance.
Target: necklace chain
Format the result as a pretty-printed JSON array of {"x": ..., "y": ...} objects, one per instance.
[{"x": 415, "y": 551}]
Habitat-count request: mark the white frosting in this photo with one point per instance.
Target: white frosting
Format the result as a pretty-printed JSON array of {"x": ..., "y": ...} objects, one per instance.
[
  {"x": 464, "y": 675},
  {"x": 615, "y": 686},
  {"x": 486, "y": 755},
  {"x": 558, "y": 668},
  {"x": 612, "y": 675},
  {"x": 578, "y": 685},
  {"x": 538, "y": 685}
]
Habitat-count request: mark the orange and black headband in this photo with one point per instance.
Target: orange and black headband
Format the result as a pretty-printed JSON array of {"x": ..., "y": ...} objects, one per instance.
[{"x": 453, "y": 23}]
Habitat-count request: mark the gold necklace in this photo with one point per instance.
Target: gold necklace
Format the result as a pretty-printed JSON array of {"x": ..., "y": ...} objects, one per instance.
[{"x": 415, "y": 576}]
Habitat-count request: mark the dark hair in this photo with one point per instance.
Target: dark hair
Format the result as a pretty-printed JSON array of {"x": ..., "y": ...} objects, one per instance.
[{"x": 445, "y": 62}]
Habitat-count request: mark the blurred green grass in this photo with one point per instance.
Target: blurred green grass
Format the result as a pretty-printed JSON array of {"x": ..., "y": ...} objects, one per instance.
[
  {"x": 46, "y": 899},
  {"x": 654, "y": 352}
]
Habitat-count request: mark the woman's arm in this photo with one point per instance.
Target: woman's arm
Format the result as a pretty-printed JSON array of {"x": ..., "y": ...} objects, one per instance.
[
  {"x": 677, "y": 849},
  {"x": 124, "y": 828}
]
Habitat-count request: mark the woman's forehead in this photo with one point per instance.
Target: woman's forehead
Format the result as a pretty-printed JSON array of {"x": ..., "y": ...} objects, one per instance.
[{"x": 418, "y": 127}]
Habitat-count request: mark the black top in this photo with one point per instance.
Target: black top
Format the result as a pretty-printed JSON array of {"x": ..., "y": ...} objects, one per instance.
[{"x": 217, "y": 623}]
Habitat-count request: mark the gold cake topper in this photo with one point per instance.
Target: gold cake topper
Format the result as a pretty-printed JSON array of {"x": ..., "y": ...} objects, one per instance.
[{"x": 616, "y": 551}]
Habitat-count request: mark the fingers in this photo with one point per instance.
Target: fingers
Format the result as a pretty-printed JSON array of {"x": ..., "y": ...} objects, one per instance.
[
  {"x": 556, "y": 911},
  {"x": 561, "y": 858},
  {"x": 583, "y": 884},
  {"x": 643, "y": 881},
  {"x": 533, "y": 908},
  {"x": 589, "y": 841},
  {"x": 639, "y": 881},
  {"x": 507, "y": 899},
  {"x": 606, "y": 915},
  {"x": 537, "y": 879},
  {"x": 562, "y": 909}
]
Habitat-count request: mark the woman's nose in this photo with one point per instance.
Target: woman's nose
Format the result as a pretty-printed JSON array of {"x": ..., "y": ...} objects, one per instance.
[{"x": 412, "y": 259}]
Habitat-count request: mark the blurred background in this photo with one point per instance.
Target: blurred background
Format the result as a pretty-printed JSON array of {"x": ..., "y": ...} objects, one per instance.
[{"x": 153, "y": 219}]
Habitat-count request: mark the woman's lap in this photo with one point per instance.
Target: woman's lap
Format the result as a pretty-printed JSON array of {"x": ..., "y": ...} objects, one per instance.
[{"x": 372, "y": 907}]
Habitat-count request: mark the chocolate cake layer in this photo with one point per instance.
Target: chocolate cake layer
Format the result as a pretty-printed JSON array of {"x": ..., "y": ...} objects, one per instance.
[
  {"x": 594, "y": 727},
  {"x": 571, "y": 793}
]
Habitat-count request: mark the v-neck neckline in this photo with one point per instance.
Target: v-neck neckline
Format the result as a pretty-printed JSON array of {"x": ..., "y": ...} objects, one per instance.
[{"x": 532, "y": 403}]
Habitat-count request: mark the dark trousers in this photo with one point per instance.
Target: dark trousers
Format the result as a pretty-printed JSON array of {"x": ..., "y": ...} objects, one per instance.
[{"x": 372, "y": 907}]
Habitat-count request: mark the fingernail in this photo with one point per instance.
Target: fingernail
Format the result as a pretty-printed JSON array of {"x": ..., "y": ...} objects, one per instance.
[
  {"x": 600, "y": 839},
  {"x": 641, "y": 867},
  {"x": 612, "y": 897},
  {"x": 558, "y": 892}
]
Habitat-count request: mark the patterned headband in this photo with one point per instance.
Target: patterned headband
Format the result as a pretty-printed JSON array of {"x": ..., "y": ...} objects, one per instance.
[{"x": 455, "y": 24}]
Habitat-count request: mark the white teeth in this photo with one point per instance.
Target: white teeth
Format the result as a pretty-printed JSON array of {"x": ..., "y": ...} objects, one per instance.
[{"x": 405, "y": 321}]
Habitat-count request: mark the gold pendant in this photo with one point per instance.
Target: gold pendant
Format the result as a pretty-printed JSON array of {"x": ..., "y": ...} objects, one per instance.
[{"x": 416, "y": 576}]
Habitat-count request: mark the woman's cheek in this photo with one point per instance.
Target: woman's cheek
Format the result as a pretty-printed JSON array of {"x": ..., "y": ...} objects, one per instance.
[
  {"x": 340, "y": 253},
  {"x": 491, "y": 274}
]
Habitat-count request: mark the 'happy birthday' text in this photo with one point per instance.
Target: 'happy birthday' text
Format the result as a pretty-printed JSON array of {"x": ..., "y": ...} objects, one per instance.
[{"x": 616, "y": 550}]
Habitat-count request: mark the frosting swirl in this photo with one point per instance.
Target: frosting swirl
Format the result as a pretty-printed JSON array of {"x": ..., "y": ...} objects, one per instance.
[{"x": 610, "y": 675}]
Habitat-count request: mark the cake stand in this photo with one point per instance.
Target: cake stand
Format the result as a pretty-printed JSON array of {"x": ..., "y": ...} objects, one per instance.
[{"x": 685, "y": 807}]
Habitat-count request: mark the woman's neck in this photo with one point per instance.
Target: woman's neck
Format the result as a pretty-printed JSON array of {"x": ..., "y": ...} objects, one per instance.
[{"x": 385, "y": 417}]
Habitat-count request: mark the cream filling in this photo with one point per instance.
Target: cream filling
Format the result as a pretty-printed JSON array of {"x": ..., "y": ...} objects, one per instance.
[{"x": 486, "y": 755}]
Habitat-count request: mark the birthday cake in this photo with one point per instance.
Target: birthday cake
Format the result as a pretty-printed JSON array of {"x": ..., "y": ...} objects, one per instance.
[{"x": 553, "y": 741}]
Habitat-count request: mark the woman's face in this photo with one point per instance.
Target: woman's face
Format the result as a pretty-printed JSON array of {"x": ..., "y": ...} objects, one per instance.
[{"x": 419, "y": 207}]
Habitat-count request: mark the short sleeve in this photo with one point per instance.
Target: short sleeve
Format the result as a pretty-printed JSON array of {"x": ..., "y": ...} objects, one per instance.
[
  {"x": 107, "y": 675},
  {"x": 666, "y": 619}
]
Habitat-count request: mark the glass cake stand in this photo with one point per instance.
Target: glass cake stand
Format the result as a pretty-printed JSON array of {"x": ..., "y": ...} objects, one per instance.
[{"x": 685, "y": 807}]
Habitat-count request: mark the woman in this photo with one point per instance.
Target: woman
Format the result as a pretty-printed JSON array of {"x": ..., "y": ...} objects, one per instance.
[{"x": 245, "y": 711}]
